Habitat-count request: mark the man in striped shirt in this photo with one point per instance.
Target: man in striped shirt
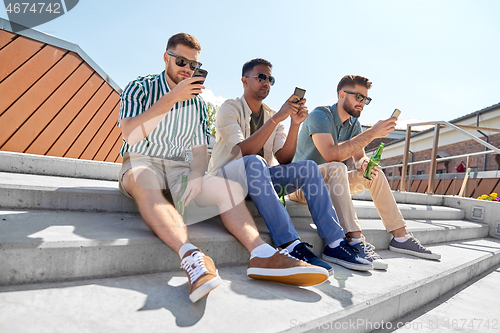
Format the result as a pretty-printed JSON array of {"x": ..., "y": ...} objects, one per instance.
[{"x": 162, "y": 116}]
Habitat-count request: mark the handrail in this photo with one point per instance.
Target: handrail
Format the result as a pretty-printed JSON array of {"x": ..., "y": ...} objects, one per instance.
[
  {"x": 441, "y": 159},
  {"x": 437, "y": 126}
]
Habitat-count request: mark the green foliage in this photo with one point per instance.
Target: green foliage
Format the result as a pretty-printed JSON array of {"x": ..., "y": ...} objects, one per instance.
[{"x": 212, "y": 110}]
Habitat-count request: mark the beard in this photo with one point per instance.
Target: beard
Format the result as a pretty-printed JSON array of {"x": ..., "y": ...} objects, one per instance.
[
  {"x": 262, "y": 93},
  {"x": 349, "y": 108},
  {"x": 174, "y": 75}
]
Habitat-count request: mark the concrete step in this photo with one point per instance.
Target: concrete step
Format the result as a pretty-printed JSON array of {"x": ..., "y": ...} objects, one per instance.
[
  {"x": 348, "y": 302},
  {"x": 458, "y": 310},
  {"x": 27, "y": 191},
  {"x": 44, "y": 245},
  {"x": 57, "y": 166}
]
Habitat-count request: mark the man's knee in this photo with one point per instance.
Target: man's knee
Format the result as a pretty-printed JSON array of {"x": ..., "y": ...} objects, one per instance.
[
  {"x": 228, "y": 189},
  {"x": 255, "y": 163},
  {"x": 140, "y": 178},
  {"x": 337, "y": 168},
  {"x": 307, "y": 169}
]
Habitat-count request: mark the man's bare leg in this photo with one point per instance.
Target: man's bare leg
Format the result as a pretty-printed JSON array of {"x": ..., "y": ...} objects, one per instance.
[{"x": 160, "y": 215}]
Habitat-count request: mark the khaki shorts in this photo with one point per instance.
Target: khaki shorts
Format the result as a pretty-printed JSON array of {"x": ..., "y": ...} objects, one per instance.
[{"x": 169, "y": 172}]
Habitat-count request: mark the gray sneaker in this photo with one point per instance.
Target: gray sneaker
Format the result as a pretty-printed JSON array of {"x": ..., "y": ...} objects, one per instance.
[
  {"x": 413, "y": 247},
  {"x": 366, "y": 251}
]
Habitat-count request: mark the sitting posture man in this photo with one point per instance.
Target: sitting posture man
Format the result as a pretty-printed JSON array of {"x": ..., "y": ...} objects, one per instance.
[
  {"x": 161, "y": 116},
  {"x": 247, "y": 127},
  {"x": 333, "y": 134}
]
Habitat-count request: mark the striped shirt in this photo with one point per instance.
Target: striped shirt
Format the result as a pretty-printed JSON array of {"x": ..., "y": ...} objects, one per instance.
[{"x": 184, "y": 126}]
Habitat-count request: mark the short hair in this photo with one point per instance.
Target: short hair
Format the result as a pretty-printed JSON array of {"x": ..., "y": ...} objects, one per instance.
[
  {"x": 351, "y": 80},
  {"x": 249, "y": 65},
  {"x": 184, "y": 39}
]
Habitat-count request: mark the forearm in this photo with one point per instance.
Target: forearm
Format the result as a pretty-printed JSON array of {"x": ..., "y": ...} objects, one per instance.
[
  {"x": 134, "y": 129},
  {"x": 256, "y": 141},
  {"x": 287, "y": 152},
  {"x": 347, "y": 149}
]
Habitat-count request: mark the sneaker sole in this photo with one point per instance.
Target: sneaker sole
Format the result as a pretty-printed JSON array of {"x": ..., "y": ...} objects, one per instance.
[
  {"x": 311, "y": 276},
  {"x": 432, "y": 256},
  {"x": 205, "y": 288},
  {"x": 377, "y": 264},
  {"x": 346, "y": 264}
]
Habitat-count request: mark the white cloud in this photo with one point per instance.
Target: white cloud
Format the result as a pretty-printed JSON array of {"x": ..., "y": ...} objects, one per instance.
[{"x": 209, "y": 97}]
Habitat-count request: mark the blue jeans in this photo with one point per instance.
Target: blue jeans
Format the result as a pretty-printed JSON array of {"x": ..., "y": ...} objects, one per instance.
[{"x": 262, "y": 183}]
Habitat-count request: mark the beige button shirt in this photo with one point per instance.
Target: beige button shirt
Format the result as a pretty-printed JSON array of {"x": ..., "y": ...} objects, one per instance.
[{"x": 233, "y": 126}]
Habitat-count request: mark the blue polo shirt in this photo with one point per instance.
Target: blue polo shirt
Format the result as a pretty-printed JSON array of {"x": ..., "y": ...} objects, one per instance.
[{"x": 323, "y": 119}]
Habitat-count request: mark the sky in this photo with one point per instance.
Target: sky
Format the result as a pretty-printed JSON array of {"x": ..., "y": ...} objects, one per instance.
[{"x": 432, "y": 59}]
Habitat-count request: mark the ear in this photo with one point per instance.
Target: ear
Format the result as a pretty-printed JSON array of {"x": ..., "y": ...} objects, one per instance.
[
  {"x": 166, "y": 57},
  {"x": 244, "y": 79}
]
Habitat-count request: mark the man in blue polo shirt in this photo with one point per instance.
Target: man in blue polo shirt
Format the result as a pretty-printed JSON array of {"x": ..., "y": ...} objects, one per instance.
[{"x": 332, "y": 134}]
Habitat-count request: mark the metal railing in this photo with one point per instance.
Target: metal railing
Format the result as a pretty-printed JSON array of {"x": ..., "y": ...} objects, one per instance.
[
  {"x": 443, "y": 175},
  {"x": 434, "y": 160}
]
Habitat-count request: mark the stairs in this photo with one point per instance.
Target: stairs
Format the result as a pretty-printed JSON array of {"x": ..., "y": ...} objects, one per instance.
[{"x": 75, "y": 255}]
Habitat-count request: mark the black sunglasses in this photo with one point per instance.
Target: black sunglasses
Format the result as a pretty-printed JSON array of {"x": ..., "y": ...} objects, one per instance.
[
  {"x": 360, "y": 97},
  {"x": 261, "y": 77},
  {"x": 181, "y": 61}
]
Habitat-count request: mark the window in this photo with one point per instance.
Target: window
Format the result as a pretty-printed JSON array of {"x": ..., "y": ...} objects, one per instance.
[
  {"x": 421, "y": 172},
  {"x": 441, "y": 171}
]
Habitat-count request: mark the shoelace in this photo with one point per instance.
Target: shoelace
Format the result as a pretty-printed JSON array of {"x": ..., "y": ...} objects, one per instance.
[
  {"x": 368, "y": 249},
  {"x": 416, "y": 241},
  {"x": 301, "y": 249},
  {"x": 194, "y": 265},
  {"x": 286, "y": 253}
]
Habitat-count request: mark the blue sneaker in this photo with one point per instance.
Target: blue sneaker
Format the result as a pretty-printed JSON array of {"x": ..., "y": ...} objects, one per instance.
[
  {"x": 366, "y": 251},
  {"x": 347, "y": 256},
  {"x": 301, "y": 251}
]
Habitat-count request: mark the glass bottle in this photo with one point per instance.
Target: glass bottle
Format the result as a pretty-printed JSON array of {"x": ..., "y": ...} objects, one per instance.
[
  {"x": 373, "y": 162},
  {"x": 181, "y": 208}
]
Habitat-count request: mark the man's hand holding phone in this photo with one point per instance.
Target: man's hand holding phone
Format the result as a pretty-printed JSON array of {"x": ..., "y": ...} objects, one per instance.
[
  {"x": 301, "y": 114},
  {"x": 187, "y": 89},
  {"x": 287, "y": 109}
]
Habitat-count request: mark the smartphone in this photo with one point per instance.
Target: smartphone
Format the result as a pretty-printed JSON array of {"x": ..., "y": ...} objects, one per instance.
[
  {"x": 300, "y": 93},
  {"x": 396, "y": 113},
  {"x": 200, "y": 73}
]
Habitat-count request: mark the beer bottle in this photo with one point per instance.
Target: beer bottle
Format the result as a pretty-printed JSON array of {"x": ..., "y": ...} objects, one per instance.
[
  {"x": 374, "y": 161},
  {"x": 282, "y": 195},
  {"x": 181, "y": 208}
]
